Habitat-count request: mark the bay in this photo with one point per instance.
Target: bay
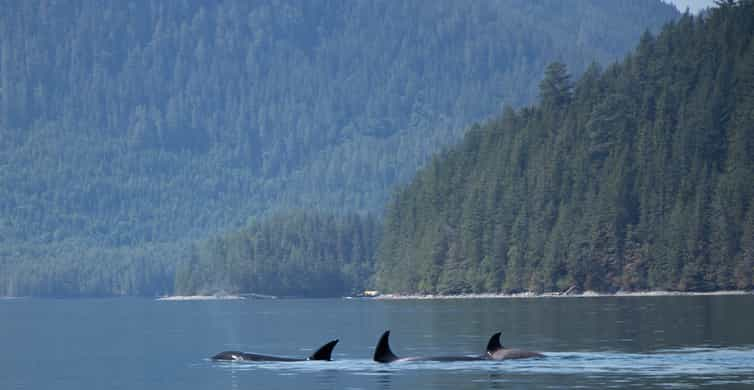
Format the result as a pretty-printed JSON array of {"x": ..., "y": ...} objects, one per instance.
[{"x": 592, "y": 343}]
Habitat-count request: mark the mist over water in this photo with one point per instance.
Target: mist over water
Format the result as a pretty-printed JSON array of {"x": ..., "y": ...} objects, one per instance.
[{"x": 593, "y": 343}]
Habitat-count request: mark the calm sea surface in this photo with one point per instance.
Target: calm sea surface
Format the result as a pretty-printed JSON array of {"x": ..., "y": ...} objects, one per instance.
[{"x": 590, "y": 343}]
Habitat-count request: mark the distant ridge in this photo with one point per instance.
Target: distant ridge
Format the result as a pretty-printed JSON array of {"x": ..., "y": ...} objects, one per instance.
[{"x": 131, "y": 129}]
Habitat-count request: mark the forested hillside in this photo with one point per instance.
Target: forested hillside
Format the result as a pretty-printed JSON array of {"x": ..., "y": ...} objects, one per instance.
[
  {"x": 639, "y": 176},
  {"x": 292, "y": 254},
  {"x": 130, "y": 128}
]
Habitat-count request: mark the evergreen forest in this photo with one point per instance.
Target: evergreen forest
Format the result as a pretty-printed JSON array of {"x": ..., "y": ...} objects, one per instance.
[
  {"x": 635, "y": 176},
  {"x": 133, "y": 132},
  {"x": 293, "y": 254}
]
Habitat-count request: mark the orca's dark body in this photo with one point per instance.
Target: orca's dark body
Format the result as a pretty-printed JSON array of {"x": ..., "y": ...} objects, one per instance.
[
  {"x": 383, "y": 354},
  {"x": 323, "y": 353},
  {"x": 495, "y": 351}
]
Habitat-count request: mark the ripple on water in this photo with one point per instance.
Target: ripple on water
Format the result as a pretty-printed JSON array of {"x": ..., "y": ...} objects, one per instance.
[{"x": 719, "y": 365}]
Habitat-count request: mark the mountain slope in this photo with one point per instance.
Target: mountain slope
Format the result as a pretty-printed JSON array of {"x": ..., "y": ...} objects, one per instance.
[
  {"x": 136, "y": 127},
  {"x": 636, "y": 177}
]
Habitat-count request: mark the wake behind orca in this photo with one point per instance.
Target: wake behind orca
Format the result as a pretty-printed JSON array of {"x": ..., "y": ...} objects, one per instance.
[
  {"x": 495, "y": 351},
  {"x": 323, "y": 353}
]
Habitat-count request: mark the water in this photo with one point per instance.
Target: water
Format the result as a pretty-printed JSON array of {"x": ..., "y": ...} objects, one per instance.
[{"x": 591, "y": 343}]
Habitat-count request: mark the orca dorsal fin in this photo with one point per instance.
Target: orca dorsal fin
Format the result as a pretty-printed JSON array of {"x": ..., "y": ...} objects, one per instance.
[
  {"x": 494, "y": 343},
  {"x": 383, "y": 354},
  {"x": 324, "y": 352}
]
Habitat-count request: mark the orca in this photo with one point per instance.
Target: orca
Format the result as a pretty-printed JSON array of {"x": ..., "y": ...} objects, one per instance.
[
  {"x": 383, "y": 354},
  {"x": 496, "y": 351},
  {"x": 323, "y": 353}
]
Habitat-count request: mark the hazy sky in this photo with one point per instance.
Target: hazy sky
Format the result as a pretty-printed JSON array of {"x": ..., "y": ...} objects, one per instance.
[{"x": 693, "y": 5}]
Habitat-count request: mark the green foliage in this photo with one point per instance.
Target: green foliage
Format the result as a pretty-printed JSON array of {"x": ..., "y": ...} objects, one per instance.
[
  {"x": 292, "y": 254},
  {"x": 636, "y": 177},
  {"x": 555, "y": 89},
  {"x": 135, "y": 127}
]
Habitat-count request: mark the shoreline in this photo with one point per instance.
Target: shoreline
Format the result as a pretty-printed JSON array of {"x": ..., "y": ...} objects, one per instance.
[
  {"x": 200, "y": 298},
  {"x": 524, "y": 295},
  {"x": 586, "y": 294}
]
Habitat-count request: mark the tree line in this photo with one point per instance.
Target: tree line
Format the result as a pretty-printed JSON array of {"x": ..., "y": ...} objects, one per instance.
[
  {"x": 633, "y": 177},
  {"x": 296, "y": 253}
]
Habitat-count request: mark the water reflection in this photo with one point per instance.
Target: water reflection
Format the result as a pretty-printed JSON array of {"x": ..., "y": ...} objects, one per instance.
[
  {"x": 384, "y": 380},
  {"x": 652, "y": 342},
  {"x": 686, "y": 367},
  {"x": 593, "y": 343}
]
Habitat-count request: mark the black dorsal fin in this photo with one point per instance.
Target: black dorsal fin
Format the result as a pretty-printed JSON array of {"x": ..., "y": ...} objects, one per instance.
[
  {"x": 494, "y": 343},
  {"x": 382, "y": 353},
  {"x": 324, "y": 352}
]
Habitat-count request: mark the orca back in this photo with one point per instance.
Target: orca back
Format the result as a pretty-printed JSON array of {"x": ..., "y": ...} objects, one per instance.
[
  {"x": 229, "y": 355},
  {"x": 496, "y": 351},
  {"x": 383, "y": 354},
  {"x": 494, "y": 344},
  {"x": 324, "y": 352}
]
